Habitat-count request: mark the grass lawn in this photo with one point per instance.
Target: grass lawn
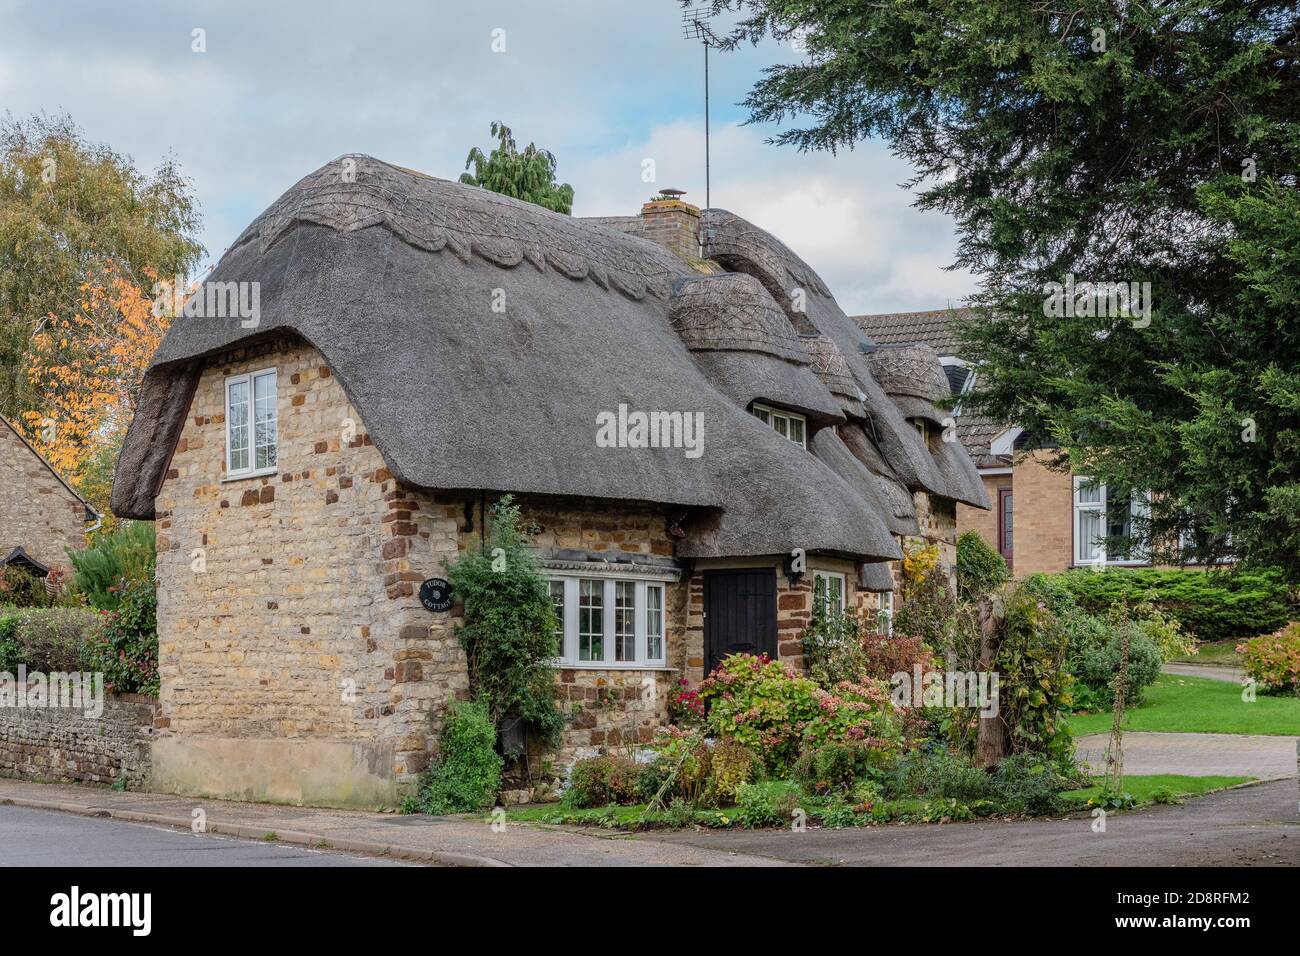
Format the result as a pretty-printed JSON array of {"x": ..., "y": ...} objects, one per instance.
[
  {"x": 1200, "y": 705},
  {"x": 1144, "y": 788},
  {"x": 1214, "y": 652}
]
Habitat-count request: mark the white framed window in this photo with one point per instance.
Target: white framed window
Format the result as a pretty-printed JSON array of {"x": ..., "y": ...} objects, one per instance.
[
  {"x": 252, "y": 424},
  {"x": 829, "y": 588},
  {"x": 885, "y": 614},
  {"x": 1099, "y": 515},
  {"x": 789, "y": 425},
  {"x": 609, "y": 622}
]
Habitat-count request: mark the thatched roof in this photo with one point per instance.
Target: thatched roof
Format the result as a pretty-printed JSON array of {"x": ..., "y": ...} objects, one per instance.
[{"x": 392, "y": 276}]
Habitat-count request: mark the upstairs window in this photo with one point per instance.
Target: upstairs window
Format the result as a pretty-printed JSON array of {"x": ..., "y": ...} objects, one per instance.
[
  {"x": 252, "y": 425},
  {"x": 789, "y": 425}
]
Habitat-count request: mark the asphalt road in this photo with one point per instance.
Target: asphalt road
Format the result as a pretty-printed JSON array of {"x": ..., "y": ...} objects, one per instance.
[
  {"x": 49, "y": 838},
  {"x": 1248, "y": 826}
]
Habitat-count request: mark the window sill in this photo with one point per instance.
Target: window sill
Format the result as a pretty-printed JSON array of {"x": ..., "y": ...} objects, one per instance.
[
  {"x": 1112, "y": 564},
  {"x": 260, "y": 473}
]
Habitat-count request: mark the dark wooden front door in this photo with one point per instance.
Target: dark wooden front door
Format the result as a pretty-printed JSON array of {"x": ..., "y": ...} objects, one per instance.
[{"x": 739, "y": 613}]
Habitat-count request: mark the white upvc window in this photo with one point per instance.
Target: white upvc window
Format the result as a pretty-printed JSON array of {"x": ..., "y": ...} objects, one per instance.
[
  {"x": 1099, "y": 515},
  {"x": 609, "y": 622},
  {"x": 828, "y": 588},
  {"x": 252, "y": 425},
  {"x": 789, "y": 425}
]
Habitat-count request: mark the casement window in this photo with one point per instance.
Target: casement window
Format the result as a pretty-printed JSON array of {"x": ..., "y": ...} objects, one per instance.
[
  {"x": 608, "y": 622},
  {"x": 885, "y": 615},
  {"x": 1098, "y": 516},
  {"x": 787, "y": 424},
  {"x": 252, "y": 427},
  {"x": 828, "y": 589}
]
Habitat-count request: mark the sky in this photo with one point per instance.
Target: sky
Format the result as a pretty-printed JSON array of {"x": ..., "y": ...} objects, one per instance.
[{"x": 282, "y": 88}]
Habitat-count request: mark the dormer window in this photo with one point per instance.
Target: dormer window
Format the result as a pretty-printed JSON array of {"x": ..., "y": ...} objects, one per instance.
[{"x": 787, "y": 424}]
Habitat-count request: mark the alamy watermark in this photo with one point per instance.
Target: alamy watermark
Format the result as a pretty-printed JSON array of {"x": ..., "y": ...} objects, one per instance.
[
  {"x": 628, "y": 429},
  {"x": 210, "y": 300},
  {"x": 78, "y": 690},
  {"x": 974, "y": 689}
]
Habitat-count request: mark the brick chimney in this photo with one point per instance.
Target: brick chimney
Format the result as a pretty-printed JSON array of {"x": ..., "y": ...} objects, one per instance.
[{"x": 673, "y": 224}]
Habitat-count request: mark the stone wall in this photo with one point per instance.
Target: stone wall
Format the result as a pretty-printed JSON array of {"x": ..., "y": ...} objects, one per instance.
[
  {"x": 297, "y": 662},
  {"x": 37, "y": 511},
  {"x": 65, "y": 745}
]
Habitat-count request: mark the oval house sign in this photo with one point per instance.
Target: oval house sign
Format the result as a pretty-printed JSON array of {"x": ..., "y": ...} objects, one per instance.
[{"x": 435, "y": 594}]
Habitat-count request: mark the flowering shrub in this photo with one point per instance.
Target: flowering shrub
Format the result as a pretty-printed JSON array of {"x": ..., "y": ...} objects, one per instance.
[
  {"x": 762, "y": 703},
  {"x": 773, "y": 711},
  {"x": 127, "y": 647},
  {"x": 1274, "y": 659},
  {"x": 599, "y": 781},
  {"x": 685, "y": 709}
]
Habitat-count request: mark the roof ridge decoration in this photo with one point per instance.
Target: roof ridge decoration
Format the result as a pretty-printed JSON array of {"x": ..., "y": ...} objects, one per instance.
[
  {"x": 733, "y": 241},
  {"x": 733, "y": 312},
  {"x": 912, "y": 370},
  {"x": 357, "y": 191}
]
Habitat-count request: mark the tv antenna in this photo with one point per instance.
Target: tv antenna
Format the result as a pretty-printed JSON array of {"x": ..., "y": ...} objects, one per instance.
[{"x": 695, "y": 26}]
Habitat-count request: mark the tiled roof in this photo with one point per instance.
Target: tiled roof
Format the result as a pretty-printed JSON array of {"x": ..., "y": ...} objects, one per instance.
[
  {"x": 934, "y": 328},
  {"x": 931, "y": 328}
]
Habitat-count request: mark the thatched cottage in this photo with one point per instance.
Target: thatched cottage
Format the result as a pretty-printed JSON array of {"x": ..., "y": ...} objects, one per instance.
[
  {"x": 699, "y": 431},
  {"x": 41, "y": 516}
]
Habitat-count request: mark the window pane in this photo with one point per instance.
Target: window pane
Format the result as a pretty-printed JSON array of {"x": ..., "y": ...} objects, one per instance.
[
  {"x": 624, "y": 621},
  {"x": 557, "y": 601},
  {"x": 779, "y": 423},
  {"x": 237, "y": 425},
  {"x": 265, "y": 422},
  {"x": 654, "y": 622},
  {"x": 762, "y": 415},
  {"x": 1089, "y": 536},
  {"x": 796, "y": 430},
  {"x": 1089, "y": 492},
  {"x": 836, "y": 592},
  {"x": 591, "y": 620},
  {"x": 1119, "y": 524}
]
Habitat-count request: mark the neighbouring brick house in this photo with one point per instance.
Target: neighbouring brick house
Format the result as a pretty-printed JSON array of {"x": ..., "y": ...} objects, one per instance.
[
  {"x": 425, "y": 346},
  {"x": 1042, "y": 518},
  {"x": 41, "y": 517}
]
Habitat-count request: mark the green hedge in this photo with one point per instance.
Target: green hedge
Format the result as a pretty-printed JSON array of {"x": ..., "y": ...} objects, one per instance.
[{"x": 1212, "y": 606}]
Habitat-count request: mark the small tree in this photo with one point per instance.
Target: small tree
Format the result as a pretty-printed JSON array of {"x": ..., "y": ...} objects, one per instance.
[
  {"x": 509, "y": 628},
  {"x": 529, "y": 175}
]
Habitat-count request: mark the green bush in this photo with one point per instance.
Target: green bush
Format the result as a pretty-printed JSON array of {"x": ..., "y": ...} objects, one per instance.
[
  {"x": 124, "y": 555},
  {"x": 1274, "y": 659},
  {"x": 126, "y": 649},
  {"x": 771, "y": 803},
  {"x": 1209, "y": 605},
  {"x": 936, "y": 774},
  {"x": 731, "y": 764},
  {"x": 1026, "y": 784},
  {"x": 980, "y": 569},
  {"x": 54, "y": 639},
  {"x": 834, "y": 767},
  {"x": 509, "y": 625},
  {"x": 467, "y": 772},
  {"x": 1099, "y": 666},
  {"x": 22, "y": 588},
  {"x": 599, "y": 781},
  {"x": 1036, "y": 684},
  {"x": 832, "y": 645}
]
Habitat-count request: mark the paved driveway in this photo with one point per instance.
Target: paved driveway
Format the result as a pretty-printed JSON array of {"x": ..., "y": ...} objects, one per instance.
[{"x": 1197, "y": 755}]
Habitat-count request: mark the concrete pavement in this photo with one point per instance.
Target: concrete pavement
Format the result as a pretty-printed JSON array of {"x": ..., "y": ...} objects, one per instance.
[
  {"x": 454, "y": 841},
  {"x": 1213, "y": 671}
]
